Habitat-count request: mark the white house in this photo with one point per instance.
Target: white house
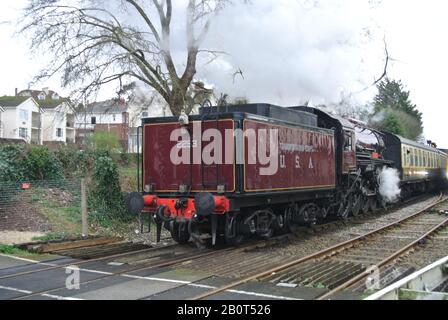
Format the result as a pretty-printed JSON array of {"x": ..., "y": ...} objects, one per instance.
[
  {"x": 109, "y": 112},
  {"x": 22, "y": 119},
  {"x": 111, "y": 115},
  {"x": 58, "y": 120},
  {"x": 1, "y": 122}
]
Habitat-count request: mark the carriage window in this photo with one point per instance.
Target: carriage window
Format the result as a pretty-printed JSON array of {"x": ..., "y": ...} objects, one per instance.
[
  {"x": 404, "y": 156},
  {"x": 420, "y": 158}
]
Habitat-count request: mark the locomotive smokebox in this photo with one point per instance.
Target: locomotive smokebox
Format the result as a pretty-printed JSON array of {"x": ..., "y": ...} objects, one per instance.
[
  {"x": 204, "y": 204},
  {"x": 135, "y": 202}
]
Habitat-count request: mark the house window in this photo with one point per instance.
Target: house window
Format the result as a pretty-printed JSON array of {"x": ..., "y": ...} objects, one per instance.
[
  {"x": 114, "y": 117},
  {"x": 23, "y": 133},
  {"x": 59, "y": 132},
  {"x": 24, "y": 115},
  {"x": 41, "y": 96},
  {"x": 93, "y": 120},
  {"x": 145, "y": 114}
]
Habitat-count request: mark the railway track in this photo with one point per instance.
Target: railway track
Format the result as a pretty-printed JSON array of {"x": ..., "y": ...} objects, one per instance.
[
  {"x": 156, "y": 261},
  {"x": 170, "y": 256},
  {"x": 343, "y": 265}
]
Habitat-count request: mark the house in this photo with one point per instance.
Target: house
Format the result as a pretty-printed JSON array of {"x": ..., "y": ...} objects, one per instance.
[
  {"x": 125, "y": 118},
  {"x": 1, "y": 122},
  {"x": 110, "y": 115},
  {"x": 21, "y": 119},
  {"x": 58, "y": 120},
  {"x": 144, "y": 104}
]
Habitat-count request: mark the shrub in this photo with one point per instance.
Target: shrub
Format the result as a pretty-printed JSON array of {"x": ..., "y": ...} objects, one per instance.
[
  {"x": 41, "y": 164},
  {"x": 75, "y": 162},
  {"x": 106, "y": 199},
  {"x": 105, "y": 141},
  {"x": 19, "y": 162},
  {"x": 11, "y": 162}
]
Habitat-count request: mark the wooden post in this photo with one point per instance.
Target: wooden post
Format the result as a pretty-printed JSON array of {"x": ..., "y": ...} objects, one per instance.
[{"x": 85, "y": 222}]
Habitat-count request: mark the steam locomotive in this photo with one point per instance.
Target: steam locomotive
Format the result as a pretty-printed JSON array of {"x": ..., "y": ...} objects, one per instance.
[{"x": 255, "y": 170}]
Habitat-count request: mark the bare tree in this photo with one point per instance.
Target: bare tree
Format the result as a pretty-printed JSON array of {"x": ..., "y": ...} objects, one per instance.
[{"x": 92, "y": 45}]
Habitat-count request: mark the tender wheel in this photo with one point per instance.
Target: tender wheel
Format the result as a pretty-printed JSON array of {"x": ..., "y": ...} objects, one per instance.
[
  {"x": 233, "y": 235},
  {"x": 283, "y": 223},
  {"x": 269, "y": 234},
  {"x": 180, "y": 234},
  {"x": 235, "y": 241}
]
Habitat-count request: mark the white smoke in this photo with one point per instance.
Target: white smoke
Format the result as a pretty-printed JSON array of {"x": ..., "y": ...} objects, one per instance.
[
  {"x": 389, "y": 180},
  {"x": 290, "y": 52}
]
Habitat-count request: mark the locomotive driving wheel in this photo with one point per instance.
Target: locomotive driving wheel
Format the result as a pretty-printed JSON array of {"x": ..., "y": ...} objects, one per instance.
[
  {"x": 358, "y": 203},
  {"x": 346, "y": 207}
]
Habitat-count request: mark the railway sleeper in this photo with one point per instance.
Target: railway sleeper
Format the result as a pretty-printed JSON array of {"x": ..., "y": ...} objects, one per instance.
[
  {"x": 333, "y": 269},
  {"x": 332, "y": 283},
  {"x": 299, "y": 275}
]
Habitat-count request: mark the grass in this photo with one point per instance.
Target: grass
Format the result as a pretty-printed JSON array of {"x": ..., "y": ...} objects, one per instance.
[
  {"x": 65, "y": 221},
  {"x": 52, "y": 236},
  {"x": 13, "y": 251},
  {"x": 8, "y": 249}
]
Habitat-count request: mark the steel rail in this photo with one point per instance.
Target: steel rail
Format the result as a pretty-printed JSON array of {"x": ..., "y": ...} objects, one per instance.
[
  {"x": 321, "y": 254},
  {"x": 385, "y": 262},
  {"x": 164, "y": 264},
  {"x": 80, "y": 263},
  {"x": 168, "y": 263}
]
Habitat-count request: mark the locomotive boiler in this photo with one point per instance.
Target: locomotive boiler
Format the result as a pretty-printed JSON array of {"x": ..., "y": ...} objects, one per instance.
[{"x": 255, "y": 170}]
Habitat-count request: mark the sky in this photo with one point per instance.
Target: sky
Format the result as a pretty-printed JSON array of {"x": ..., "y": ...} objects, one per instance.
[{"x": 292, "y": 51}]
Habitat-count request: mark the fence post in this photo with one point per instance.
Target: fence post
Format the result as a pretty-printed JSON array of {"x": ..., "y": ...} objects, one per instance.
[{"x": 85, "y": 223}]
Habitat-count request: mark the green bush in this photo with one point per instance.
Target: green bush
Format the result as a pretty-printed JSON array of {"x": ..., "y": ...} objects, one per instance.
[
  {"x": 76, "y": 163},
  {"x": 106, "y": 199},
  {"x": 105, "y": 141},
  {"x": 21, "y": 162},
  {"x": 11, "y": 162},
  {"x": 41, "y": 164}
]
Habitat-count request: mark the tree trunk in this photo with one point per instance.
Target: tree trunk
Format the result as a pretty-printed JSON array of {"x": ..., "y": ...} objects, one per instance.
[{"x": 177, "y": 101}]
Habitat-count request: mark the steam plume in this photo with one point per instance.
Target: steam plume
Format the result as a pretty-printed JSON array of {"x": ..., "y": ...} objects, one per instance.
[{"x": 389, "y": 180}]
